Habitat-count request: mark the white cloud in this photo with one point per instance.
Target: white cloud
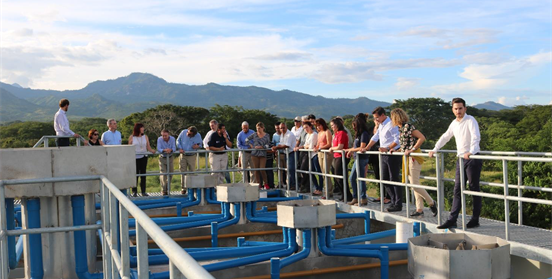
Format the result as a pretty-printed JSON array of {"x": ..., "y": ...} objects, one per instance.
[
  {"x": 485, "y": 58},
  {"x": 495, "y": 76},
  {"x": 512, "y": 101},
  {"x": 453, "y": 38},
  {"x": 407, "y": 83}
]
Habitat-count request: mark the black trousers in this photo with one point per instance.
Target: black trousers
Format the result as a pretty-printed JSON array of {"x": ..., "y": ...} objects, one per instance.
[
  {"x": 270, "y": 173},
  {"x": 391, "y": 167},
  {"x": 339, "y": 183},
  {"x": 141, "y": 165},
  {"x": 62, "y": 142},
  {"x": 472, "y": 171}
]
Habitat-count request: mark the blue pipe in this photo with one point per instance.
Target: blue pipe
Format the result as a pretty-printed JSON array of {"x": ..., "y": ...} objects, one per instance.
[
  {"x": 276, "y": 264},
  {"x": 79, "y": 237},
  {"x": 292, "y": 247},
  {"x": 211, "y": 196},
  {"x": 35, "y": 240},
  {"x": 215, "y": 226},
  {"x": 178, "y": 220},
  {"x": 251, "y": 218},
  {"x": 10, "y": 217},
  {"x": 382, "y": 254},
  {"x": 364, "y": 237},
  {"x": 365, "y": 215},
  {"x": 417, "y": 227},
  {"x": 19, "y": 248}
]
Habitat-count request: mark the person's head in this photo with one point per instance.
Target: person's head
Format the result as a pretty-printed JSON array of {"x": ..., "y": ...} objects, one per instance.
[
  {"x": 138, "y": 130},
  {"x": 297, "y": 121},
  {"x": 64, "y": 104},
  {"x": 213, "y": 124},
  {"x": 245, "y": 127},
  {"x": 307, "y": 126},
  {"x": 192, "y": 131},
  {"x": 359, "y": 124},
  {"x": 283, "y": 128},
  {"x": 277, "y": 127},
  {"x": 260, "y": 126},
  {"x": 321, "y": 124},
  {"x": 337, "y": 124},
  {"x": 459, "y": 107},
  {"x": 93, "y": 134},
  {"x": 221, "y": 129},
  {"x": 379, "y": 114},
  {"x": 165, "y": 134},
  {"x": 112, "y": 124},
  {"x": 398, "y": 117}
]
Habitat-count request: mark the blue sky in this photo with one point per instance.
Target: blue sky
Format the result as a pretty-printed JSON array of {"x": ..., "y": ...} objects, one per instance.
[{"x": 481, "y": 50}]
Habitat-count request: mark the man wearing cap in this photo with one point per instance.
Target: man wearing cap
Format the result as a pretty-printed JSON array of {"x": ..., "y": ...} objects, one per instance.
[
  {"x": 296, "y": 130},
  {"x": 188, "y": 140},
  {"x": 242, "y": 144}
]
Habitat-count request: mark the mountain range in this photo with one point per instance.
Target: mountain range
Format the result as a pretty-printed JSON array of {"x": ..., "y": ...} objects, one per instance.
[{"x": 136, "y": 92}]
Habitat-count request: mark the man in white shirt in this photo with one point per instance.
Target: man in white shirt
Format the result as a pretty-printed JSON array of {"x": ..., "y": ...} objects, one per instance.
[
  {"x": 465, "y": 131},
  {"x": 287, "y": 142},
  {"x": 388, "y": 136},
  {"x": 298, "y": 128},
  {"x": 112, "y": 136},
  {"x": 61, "y": 124}
]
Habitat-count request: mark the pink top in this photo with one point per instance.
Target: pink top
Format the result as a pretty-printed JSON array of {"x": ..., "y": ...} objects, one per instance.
[{"x": 322, "y": 138}]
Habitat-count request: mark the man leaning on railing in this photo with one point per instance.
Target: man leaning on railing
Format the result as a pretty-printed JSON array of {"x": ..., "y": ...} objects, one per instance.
[
  {"x": 166, "y": 145},
  {"x": 466, "y": 133}
]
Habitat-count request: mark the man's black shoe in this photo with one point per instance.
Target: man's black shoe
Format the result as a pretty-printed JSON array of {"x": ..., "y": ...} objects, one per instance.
[
  {"x": 472, "y": 224},
  {"x": 416, "y": 213},
  {"x": 433, "y": 209},
  {"x": 447, "y": 225},
  {"x": 394, "y": 208}
]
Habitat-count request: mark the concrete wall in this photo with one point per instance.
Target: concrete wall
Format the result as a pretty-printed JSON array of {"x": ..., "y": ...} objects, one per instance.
[{"x": 117, "y": 163}]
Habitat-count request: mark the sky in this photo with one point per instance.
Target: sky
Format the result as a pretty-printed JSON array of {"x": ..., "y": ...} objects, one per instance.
[{"x": 384, "y": 49}]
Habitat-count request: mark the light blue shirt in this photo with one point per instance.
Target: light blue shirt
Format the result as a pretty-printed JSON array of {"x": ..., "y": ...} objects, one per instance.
[
  {"x": 111, "y": 138},
  {"x": 162, "y": 144},
  {"x": 387, "y": 134},
  {"x": 275, "y": 139},
  {"x": 242, "y": 137},
  {"x": 185, "y": 143}
]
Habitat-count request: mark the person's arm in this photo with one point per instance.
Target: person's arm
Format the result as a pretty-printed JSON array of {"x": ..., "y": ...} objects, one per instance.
[
  {"x": 130, "y": 140},
  {"x": 228, "y": 142},
  {"x": 159, "y": 144},
  {"x": 172, "y": 143},
  {"x": 241, "y": 140},
  {"x": 475, "y": 136},
  {"x": 421, "y": 138},
  {"x": 179, "y": 142},
  {"x": 442, "y": 140},
  {"x": 64, "y": 125},
  {"x": 148, "y": 145}
]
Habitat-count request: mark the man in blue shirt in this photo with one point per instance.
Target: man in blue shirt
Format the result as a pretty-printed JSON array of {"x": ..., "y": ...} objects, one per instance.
[
  {"x": 188, "y": 140},
  {"x": 112, "y": 136},
  {"x": 388, "y": 136},
  {"x": 166, "y": 145},
  {"x": 242, "y": 144}
]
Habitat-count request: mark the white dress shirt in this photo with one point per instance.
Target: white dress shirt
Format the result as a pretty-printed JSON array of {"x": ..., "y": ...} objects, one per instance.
[
  {"x": 61, "y": 124},
  {"x": 288, "y": 139},
  {"x": 387, "y": 134},
  {"x": 466, "y": 134},
  {"x": 296, "y": 132}
]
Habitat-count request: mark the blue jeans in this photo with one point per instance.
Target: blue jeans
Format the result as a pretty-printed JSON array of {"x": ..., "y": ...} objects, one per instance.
[
  {"x": 362, "y": 162},
  {"x": 316, "y": 167}
]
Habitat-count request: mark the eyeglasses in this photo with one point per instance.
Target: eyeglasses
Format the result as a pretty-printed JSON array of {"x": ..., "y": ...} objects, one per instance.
[{"x": 96, "y": 134}]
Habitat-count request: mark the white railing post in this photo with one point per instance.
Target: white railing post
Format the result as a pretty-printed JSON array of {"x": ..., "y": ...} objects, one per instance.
[
  {"x": 125, "y": 245},
  {"x": 169, "y": 177},
  {"x": 174, "y": 273},
  {"x": 382, "y": 191},
  {"x": 520, "y": 193},
  {"x": 4, "y": 261},
  {"x": 345, "y": 178},
  {"x": 113, "y": 232},
  {"x": 310, "y": 171},
  {"x": 439, "y": 171},
  {"x": 407, "y": 195},
  {"x": 233, "y": 172},
  {"x": 142, "y": 252},
  {"x": 462, "y": 186},
  {"x": 357, "y": 170},
  {"x": 106, "y": 250},
  {"x": 506, "y": 201}
]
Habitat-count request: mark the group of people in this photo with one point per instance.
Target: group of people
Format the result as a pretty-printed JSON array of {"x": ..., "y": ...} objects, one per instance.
[{"x": 390, "y": 134}]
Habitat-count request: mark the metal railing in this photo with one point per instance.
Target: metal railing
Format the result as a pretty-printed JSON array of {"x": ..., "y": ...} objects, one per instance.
[
  {"x": 45, "y": 140},
  {"x": 115, "y": 210}
]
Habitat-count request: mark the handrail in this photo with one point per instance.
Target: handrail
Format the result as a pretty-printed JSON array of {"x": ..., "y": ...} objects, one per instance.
[
  {"x": 115, "y": 209},
  {"x": 44, "y": 139}
]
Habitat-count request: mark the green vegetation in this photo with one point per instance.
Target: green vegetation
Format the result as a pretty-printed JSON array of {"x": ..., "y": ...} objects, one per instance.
[{"x": 523, "y": 128}]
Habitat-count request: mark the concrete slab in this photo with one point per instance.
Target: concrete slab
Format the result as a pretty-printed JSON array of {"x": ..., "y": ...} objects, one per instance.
[
  {"x": 200, "y": 181},
  {"x": 121, "y": 167},
  {"x": 238, "y": 192},
  {"x": 26, "y": 163},
  {"x": 76, "y": 161},
  {"x": 304, "y": 214}
]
